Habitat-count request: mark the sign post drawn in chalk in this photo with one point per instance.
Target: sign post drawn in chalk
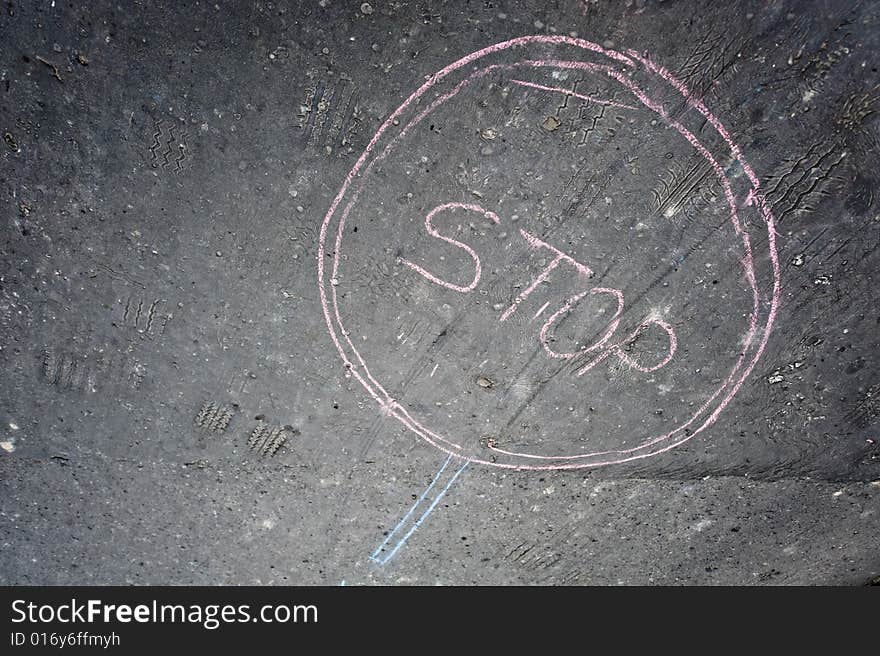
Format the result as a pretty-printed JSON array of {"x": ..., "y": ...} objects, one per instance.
[{"x": 749, "y": 230}]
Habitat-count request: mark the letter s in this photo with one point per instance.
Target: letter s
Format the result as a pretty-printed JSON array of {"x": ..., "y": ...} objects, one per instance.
[
  {"x": 22, "y": 614},
  {"x": 449, "y": 240}
]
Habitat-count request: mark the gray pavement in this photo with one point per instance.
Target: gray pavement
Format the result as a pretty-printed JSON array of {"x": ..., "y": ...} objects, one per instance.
[{"x": 425, "y": 293}]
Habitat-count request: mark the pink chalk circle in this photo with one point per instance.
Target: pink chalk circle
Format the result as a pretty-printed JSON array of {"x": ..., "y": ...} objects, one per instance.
[{"x": 619, "y": 67}]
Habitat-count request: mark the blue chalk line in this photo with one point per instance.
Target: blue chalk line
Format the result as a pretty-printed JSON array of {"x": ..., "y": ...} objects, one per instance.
[{"x": 375, "y": 555}]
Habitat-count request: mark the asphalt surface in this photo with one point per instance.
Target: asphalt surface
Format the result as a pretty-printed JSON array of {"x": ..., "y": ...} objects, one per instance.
[{"x": 557, "y": 293}]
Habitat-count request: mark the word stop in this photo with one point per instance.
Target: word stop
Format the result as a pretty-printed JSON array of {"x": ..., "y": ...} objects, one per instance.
[{"x": 603, "y": 348}]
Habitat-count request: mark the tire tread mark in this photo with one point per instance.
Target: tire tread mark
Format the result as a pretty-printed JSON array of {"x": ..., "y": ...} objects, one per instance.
[
  {"x": 169, "y": 147},
  {"x": 157, "y": 144}
]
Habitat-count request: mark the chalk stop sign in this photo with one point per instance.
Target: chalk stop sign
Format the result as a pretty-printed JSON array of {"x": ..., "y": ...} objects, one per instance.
[{"x": 550, "y": 256}]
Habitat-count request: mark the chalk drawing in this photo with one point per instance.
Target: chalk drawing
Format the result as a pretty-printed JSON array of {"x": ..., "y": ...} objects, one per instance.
[
  {"x": 621, "y": 68},
  {"x": 617, "y": 349},
  {"x": 760, "y": 321},
  {"x": 567, "y": 92},
  {"x": 569, "y": 304},
  {"x": 584, "y": 271},
  {"x": 541, "y": 310},
  {"x": 384, "y": 552},
  {"x": 534, "y": 242},
  {"x": 467, "y": 249}
]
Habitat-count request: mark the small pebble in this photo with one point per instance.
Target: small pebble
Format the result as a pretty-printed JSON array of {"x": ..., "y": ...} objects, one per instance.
[{"x": 551, "y": 123}]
